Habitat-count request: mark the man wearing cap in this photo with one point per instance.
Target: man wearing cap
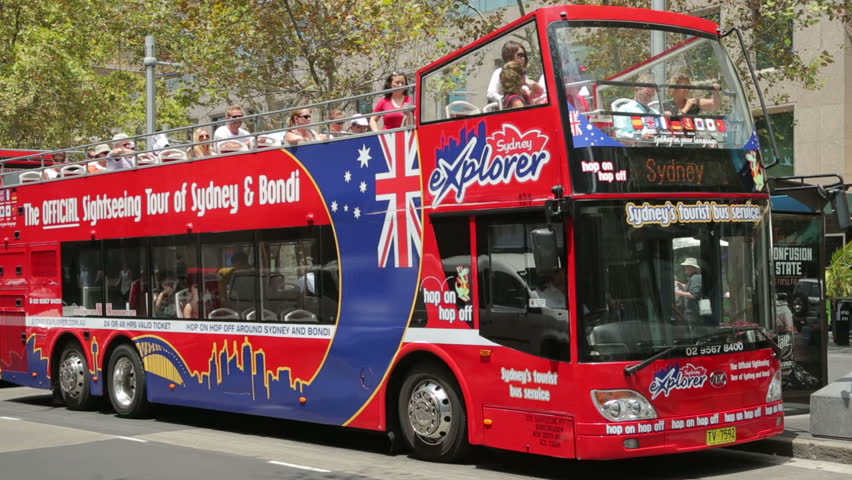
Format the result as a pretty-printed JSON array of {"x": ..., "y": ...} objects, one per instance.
[
  {"x": 99, "y": 154},
  {"x": 122, "y": 154},
  {"x": 359, "y": 124},
  {"x": 691, "y": 290}
]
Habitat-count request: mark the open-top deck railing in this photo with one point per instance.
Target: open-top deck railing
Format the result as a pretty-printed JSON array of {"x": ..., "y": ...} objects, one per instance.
[{"x": 181, "y": 139}]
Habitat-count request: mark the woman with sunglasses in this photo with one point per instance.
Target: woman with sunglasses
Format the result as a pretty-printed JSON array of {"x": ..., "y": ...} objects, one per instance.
[
  {"x": 299, "y": 133},
  {"x": 513, "y": 52},
  {"x": 200, "y": 150},
  {"x": 392, "y": 101}
]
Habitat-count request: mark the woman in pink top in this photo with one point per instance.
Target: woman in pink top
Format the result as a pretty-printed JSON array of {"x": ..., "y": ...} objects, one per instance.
[{"x": 392, "y": 101}]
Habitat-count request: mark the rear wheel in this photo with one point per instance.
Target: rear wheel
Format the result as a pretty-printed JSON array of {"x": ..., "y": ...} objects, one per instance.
[
  {"x": 432, "y": 414},
  {"x": 75, "y": 378},
  {"x": 127, "y": 387}
]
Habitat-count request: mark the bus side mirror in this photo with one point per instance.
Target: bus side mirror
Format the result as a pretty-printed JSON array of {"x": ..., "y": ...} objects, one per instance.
[
  {"x": 841, "y": 210},
  {"x": 544, "y": 252}
]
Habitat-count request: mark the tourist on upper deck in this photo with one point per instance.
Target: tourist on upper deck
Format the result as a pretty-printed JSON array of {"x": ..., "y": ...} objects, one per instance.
[
  {"x": 513, "y": 51},
  {"x": 99, "y": 154},
  {"x": 233, "y": 128},
  {"x": 512, "y": 81},
  {"x": 123, "y": 153},
  {"x": 336, "y": 129},
  {"x": 200, "y": 150},
  {"x": 57, "y": 158},
  {"x": 359, "y": 124},
  {"x": 682, "y": 104},
  {"x": 646, "y": 126},
  {"x": 300, "y": 134},
  {"x": 392, "y": 101}
]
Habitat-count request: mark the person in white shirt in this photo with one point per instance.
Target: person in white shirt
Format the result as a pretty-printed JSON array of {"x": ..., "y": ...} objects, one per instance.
[
  {"x": 513, "y": 51},
  {"x": 122, "y": 154},
  {"x": 643, "y": 96},
  {"x": 233, "y": 128}
]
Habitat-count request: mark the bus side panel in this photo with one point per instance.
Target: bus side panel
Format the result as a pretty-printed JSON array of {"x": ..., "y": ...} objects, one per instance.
[{"x": 13, "y": 328}]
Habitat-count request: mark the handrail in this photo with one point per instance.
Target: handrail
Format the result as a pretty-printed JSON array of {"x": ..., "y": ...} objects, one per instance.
[{"x": 187, "y": 132}]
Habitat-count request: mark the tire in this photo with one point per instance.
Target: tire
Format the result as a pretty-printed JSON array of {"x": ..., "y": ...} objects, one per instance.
[
  {"x": 128, "y": 390},
  {"x": 75, "y": 380},
  {"x": 432, "y": 415}
]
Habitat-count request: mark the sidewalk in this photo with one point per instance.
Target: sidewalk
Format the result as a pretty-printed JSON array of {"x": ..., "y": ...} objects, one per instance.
[{"x": 797, "y": 440}]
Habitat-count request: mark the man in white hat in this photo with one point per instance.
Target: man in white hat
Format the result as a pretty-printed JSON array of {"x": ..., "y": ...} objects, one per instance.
[
  {"x": 359, "y": 124},
  {"x": 691, "y": 290}
]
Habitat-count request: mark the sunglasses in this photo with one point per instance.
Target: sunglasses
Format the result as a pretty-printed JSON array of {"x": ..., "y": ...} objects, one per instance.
[
  {"x": 306, "y": 117},
  {"x": 236, "y": 116},
  {"x": 203, "y": 136}
]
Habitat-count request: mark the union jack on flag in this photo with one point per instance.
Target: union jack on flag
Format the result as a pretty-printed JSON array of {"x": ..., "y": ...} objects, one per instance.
[
  {"x": 400, "y": 186},
  {"x": 575, "y": 123}
]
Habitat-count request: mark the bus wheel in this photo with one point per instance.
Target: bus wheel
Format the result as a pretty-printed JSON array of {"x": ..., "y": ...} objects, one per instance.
[
  {"x": 75, "y": 378},
  {"x": 127, "y": 388},
  {"x": 432, "y": 414}
]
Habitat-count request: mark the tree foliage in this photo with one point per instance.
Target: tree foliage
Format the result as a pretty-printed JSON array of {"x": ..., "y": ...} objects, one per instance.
[
  {"x": 71, "y": 70},
  {"x": 61, "y": 75}
]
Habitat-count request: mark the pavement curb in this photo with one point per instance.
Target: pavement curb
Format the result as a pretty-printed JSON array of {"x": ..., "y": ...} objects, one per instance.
[{"x": 805, "y": 447}]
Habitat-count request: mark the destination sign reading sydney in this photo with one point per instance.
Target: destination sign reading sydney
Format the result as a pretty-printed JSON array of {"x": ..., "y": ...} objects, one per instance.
[
  {"x": 197, "y": 198},
  {"x": 700, "y": 212}
]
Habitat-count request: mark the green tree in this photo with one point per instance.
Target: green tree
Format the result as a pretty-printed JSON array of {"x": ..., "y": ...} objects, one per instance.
[{"x": 61, "y": 74}]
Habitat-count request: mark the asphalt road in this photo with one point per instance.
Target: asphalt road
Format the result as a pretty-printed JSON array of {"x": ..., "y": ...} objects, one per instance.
[{"x": 41, "y": 441}]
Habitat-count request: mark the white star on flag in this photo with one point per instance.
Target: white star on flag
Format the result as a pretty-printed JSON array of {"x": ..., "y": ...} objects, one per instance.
[
  {"x": 346, "y": 208},
  {"x": 364, "y": 156},
  {"x": 347, "y": 177},
  {"x": 362, "y": 187},
  {"x": 357, "y": 212},
  {"x": 334, "y": 206}
]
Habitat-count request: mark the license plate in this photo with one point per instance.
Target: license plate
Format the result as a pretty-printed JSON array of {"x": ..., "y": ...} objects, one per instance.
[{"x": 721, "y": 436}]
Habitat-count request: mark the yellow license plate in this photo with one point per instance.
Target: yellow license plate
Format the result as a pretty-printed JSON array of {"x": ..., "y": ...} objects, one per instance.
[{"x": 721, "y": 436}]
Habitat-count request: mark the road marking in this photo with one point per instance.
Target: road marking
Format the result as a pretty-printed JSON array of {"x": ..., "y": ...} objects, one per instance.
[
  {"x": 9, "y": 418},
  {"x": 794, "y": 462},
  {"x": 131, "y": 439},
  {"x": 301, "y": 467}
]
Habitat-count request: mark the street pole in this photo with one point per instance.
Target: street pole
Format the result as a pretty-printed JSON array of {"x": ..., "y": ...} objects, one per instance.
[
  {"x": 150, "y": 62},
  {"x": 658, "y": 43}
]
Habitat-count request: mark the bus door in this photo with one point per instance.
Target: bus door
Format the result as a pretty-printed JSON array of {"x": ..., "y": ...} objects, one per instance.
[
  {"x": 522, "y": 307},
  {"x": 13, "y": 297}
]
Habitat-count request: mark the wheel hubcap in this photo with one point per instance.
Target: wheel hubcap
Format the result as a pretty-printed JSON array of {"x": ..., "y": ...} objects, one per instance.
[
  {"x": 430, "y": 412},
  {"x": 72, "y": 374},
  {"x": 124, "y": 382}
]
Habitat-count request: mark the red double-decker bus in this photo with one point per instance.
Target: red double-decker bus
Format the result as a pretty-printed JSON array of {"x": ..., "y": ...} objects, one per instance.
[{"x": 582, "y": 273}]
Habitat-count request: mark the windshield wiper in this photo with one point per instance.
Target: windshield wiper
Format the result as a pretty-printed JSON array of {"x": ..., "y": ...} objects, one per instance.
[{"x": 697, "y": 342}]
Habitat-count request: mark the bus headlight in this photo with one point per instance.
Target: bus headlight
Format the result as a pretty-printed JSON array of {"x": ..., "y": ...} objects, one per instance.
[
  {"x": 773, "y": 394},
  {"x": 623, "y": 405}
]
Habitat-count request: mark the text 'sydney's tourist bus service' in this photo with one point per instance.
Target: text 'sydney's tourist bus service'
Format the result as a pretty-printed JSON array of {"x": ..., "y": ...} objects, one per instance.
[{"x": 568, "y": 278}]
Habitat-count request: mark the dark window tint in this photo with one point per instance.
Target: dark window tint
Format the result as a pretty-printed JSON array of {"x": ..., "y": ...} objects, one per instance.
[
  {"x": 174, "y": 272},
  {"x": 299, "y": 276},
  {"x": 229, "y": 258},
  {"x": 82, "y": 279},
  {"x": 126, "y": 267}
]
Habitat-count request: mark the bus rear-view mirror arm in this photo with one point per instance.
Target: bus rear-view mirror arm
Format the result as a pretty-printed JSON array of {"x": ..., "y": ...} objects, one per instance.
[{"x": 759, "y": 96}]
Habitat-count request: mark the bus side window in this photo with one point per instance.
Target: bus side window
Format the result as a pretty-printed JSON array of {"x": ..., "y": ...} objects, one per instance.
[{"x": 82, "y": 279}]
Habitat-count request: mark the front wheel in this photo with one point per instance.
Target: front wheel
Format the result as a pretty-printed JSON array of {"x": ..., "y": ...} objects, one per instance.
[
  {"x": 127, "y": 387},
  {"x": 75, "y": 378},
  {"x": 432, "y": 415}
]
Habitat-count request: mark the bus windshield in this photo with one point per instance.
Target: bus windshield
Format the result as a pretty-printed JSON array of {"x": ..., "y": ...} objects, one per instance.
[
  {"x": 663, "y": 273},
  {"x": 630, "y": 86}
]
